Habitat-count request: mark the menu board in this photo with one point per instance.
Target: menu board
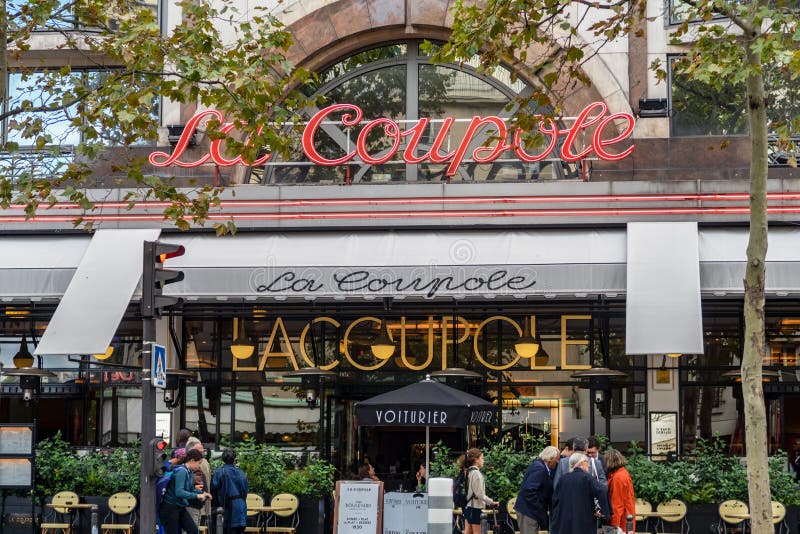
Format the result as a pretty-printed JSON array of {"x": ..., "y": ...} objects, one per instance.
[
  {"x": 16, "y": 440},
  {"x": 405, "y": 513},
  {"x": 663, "y": 434},
  {"x": 359, "y": 505},
  {"x": 15, "y": 473}
]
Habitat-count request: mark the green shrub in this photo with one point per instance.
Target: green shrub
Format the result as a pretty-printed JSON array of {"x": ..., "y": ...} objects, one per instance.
[{"x": 783, "y": 484}]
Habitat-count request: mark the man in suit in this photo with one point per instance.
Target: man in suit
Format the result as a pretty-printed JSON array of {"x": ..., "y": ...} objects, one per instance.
[
  {"x": 535, "y": 493},
  {"x": 578, "y": 445},
  {"x": 593, "y": 452}
]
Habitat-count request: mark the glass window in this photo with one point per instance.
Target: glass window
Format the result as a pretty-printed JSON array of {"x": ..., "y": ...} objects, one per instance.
[
  {"x": 700, "y": 109},
  {"x": 51, "y": 104},
  {"x": 397, "y": 82},
  {"x": 61, "y": 17}
]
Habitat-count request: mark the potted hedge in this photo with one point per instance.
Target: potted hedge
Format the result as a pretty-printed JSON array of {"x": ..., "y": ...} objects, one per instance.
[{"x": 706, "y": 479}]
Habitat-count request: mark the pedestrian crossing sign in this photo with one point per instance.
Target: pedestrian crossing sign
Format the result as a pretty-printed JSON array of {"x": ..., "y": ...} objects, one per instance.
[{"x": 158, "y": 367}]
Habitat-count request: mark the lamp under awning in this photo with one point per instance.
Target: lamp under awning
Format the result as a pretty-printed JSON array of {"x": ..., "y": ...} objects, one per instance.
[
  {"x": 663, "y": 314},
  {"x": 98, "y": 294}
]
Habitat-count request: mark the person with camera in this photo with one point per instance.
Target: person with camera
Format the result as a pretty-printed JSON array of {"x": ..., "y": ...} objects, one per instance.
[
  {"x": 536, "y": 492},
  {"x": 477, "y": 499},
  {"x": 576, "y": 499}
]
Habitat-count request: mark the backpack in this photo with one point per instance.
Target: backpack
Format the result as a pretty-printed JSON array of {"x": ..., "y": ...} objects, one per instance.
[
  {"x": 162, "y": 485},
  {"x": 460, "y": 488}
]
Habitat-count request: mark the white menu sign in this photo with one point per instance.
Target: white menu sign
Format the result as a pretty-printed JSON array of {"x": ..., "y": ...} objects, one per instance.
[
  {"x": 358, "y": 507},
  {"x": 15, "y": 473}
]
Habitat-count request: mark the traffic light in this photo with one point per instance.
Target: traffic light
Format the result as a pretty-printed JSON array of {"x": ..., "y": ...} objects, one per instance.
[
  {"x": 158, "y": 457},
  {"x": 155, "y": 277}
]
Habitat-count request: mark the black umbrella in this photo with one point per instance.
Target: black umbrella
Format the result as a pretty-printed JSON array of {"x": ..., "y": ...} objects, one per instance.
[{"x": 426, "y": 404}]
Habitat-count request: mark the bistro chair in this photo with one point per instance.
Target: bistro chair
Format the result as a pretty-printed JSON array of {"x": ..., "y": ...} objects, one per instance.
[
  {"x": 121, "y": 515},
  {"x": 284, "y": 514},
  {"x": 511, "y": 517},
  {"x": 642, "y": 507},
  {"x": 733, "y": 514},
  {"x": 779, "y": 518},
  {"x": 673, "y": 513},
  {"x": 58, "y": 518},
  {"x": 254, "y": 521}
]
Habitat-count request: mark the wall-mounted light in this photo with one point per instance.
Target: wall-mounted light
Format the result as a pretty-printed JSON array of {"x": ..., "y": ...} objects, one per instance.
[{"x": 653, "y": 107}]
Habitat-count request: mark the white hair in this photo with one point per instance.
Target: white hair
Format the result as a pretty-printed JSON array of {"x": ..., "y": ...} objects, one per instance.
[
  {"x": 192, "y": 443},
  {"x": 576, "y": 459},
  {"x": 549, "y": 453}
]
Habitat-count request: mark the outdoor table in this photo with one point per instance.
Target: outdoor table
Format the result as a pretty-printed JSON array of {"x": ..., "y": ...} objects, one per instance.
[
  {"x": 658, "y": 516},
  {"x": 72, "y": 509}
]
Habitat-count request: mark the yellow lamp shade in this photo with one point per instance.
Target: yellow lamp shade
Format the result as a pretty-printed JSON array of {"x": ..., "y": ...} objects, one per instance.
[{"x": 383, "y": 347}]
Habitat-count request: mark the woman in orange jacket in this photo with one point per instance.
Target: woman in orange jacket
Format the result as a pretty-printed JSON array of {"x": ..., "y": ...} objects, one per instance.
[{"x": 620, "y": 490}]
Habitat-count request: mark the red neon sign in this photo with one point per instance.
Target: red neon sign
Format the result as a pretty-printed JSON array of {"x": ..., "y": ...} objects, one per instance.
[{"x": 594, "y": 114}]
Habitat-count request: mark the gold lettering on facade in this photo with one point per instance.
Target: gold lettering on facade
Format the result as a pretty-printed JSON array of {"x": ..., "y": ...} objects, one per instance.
[
  {"x": 304, "y": 333},
  {"x": 447, "y": 321},
  {"x": 566, "y": 342},
  {"x": 478, "y": 354},
  {"x": 399, "y": 332},
  {"x": 404, "y": 357},
  {"x": 347, "y": 354},
  {"x": 287, "y": 353}
]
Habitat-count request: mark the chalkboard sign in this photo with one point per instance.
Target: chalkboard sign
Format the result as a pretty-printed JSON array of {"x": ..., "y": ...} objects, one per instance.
[
  {"x": 405, "y": 513},
  {"x": 359, "y": 507}
]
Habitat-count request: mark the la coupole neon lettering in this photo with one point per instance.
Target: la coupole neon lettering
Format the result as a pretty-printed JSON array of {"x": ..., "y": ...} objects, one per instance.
[{"x": 595, "y": 114}]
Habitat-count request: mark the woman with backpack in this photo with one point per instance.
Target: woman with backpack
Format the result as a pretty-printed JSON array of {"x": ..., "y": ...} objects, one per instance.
[
  {"x": 172, "y": 512},
  {"x": 477, "y": 499}
]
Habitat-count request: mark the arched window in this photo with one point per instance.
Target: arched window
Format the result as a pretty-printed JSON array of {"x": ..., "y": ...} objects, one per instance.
[{"x": 398, "y": 82}]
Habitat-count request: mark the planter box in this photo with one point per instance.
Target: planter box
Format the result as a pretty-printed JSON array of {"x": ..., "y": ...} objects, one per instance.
[
  {"x": 313, "y": 515},
  {"x": 704, "y": 518},
  {"x": 15, "y": 515}
]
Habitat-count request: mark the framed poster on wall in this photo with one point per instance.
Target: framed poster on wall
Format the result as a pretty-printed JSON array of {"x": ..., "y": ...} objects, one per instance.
[{"x": 663, "y": 432}]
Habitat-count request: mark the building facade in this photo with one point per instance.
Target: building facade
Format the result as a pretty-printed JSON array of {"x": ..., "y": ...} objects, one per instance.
[{"x": 633, "y": 264}]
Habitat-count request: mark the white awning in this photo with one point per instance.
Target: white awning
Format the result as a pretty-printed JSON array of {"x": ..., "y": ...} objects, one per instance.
[
  {"x": 416, "y": 264},
  {"x": 663, "y": 313},
  {"x": 564, "y": 263},
  {"x": 98, "y": 294}
]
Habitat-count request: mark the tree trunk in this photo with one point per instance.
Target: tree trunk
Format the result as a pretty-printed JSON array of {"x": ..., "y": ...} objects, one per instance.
[{"x": 752, "y": 390}]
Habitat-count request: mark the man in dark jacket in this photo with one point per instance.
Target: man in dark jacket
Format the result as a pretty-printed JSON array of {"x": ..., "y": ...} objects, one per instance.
[
  {"x": 535, "y": 493},
  {"x": 229, "y": 487},
  {"x": 578, "y": 445},
  {"x": 574, "y": 499}
]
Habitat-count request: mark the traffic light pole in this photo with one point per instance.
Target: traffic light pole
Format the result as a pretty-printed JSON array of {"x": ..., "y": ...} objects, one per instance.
[
  {"x": 154, "y": 302},
  {"x": 147, "y": 496}
]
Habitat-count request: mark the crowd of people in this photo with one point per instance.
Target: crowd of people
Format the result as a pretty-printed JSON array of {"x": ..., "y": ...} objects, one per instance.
[
  {"x": 570, "y": 491},
  {"x": 192, "y": 488},
  {"x": 575, "y": 491}
]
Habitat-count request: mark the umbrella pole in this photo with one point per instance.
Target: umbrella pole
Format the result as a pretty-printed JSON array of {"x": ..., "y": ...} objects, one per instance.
[{"x": 427, "y": 454}]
